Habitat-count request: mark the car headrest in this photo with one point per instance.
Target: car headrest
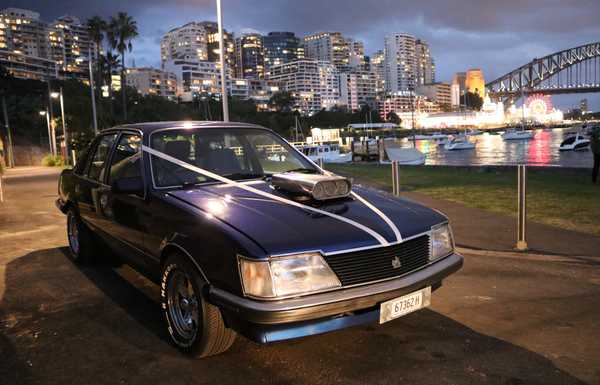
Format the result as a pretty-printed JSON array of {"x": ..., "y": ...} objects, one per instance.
[
  {"x": 223, "y": 161},
  {"x": 179, "y": 149}
]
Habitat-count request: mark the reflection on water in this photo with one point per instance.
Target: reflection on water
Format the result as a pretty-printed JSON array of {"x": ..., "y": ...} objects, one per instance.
[{"x": 491, "y": 149}]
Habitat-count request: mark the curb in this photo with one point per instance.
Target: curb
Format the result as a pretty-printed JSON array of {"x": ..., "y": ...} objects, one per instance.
[{"x": 526, "y": 255}]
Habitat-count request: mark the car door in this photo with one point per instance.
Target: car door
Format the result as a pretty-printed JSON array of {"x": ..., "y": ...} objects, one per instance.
[
  {"x": 124, "y": 212},
  {"x": 93, "y": 179}
]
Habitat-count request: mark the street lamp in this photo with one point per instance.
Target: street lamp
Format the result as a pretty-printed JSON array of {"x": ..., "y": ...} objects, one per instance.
[
  {"x": 222, "y": 53},
  {"x": 59, "y": 95},
  {"x": 51, "y": 138},
  {"x": 92, "y": 93}
]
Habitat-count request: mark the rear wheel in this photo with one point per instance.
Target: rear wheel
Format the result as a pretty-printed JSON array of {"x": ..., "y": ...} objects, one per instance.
[
  {"x": 80, "y": 238},
  {"x": 195, "y": 326}
]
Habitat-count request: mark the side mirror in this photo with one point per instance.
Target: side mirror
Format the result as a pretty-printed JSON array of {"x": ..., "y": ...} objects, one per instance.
[{"x": 128, "y": 185}]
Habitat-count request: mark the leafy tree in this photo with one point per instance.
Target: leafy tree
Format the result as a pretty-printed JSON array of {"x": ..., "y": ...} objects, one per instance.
[
  {"x": 392, "y": 117},
  {"x": 474, "y": 101},
  {"x": 281, "y": 101},
  {"x": 122, "y": 30}
]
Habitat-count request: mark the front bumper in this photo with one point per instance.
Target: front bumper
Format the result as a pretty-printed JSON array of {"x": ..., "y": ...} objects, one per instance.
[{"x": 268, "y": 321}]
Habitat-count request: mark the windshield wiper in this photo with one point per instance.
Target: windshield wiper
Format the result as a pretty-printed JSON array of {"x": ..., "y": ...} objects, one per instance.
[
  {"x": 303, "y": 170},
  {"x": 242, "y": 175},
  {"x": 187, "y": 185}
]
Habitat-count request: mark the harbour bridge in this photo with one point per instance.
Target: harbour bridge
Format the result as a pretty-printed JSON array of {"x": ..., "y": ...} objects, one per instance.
[{"x": 573, "y": 70}]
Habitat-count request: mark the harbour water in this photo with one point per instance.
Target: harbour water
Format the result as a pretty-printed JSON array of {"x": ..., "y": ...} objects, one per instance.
[{"x": 491, "y": 149}]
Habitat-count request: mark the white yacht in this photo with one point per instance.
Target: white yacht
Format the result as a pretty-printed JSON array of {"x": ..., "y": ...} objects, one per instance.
[
  {"x": 578, "y": 142},
  {"x": 330, "y": 153},
  {"x": 459, "y": 142},
  {"x": 513, "y": 134}
]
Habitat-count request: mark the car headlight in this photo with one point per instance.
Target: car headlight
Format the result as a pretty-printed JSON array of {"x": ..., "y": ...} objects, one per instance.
[
  {"x": 286, "y": 276},
  {"x": 442, "y": 243}
]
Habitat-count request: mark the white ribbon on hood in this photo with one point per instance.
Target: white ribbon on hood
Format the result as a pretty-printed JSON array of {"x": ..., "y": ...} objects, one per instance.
[{"x": 251, "y": 189}]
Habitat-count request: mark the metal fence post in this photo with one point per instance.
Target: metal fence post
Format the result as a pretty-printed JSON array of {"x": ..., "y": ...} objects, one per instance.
[
  {"x": 395, "y": 178},
  {"x": 522, "y": 207}
]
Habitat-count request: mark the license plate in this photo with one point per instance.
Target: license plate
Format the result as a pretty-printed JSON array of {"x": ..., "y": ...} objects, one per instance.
[{"x": 398, "y": 307}]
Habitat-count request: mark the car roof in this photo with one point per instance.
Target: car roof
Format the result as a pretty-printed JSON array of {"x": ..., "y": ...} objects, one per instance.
[{"x": 150, "y": 127}]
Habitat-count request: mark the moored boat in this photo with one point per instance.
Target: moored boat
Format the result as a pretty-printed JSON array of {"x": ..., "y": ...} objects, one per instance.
[
  {"x": 459, "y": 142},
  {"x": 513, "y": 134},
  {"x": 575, "y": 143},
  {"x": 329, "y": 153}
]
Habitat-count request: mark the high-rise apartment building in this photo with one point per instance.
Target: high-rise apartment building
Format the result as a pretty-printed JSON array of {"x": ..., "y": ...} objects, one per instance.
[
  {"x": 194, "y": 76},
  {"x": 408, "y": 63},
  {"x": 28, "y": 67},
  {"x": 328, "y": 46},
  {"x": 357, "y": 88},
  {"x": 197, "y": 41},
  {"x": 250, "y": 58},
  {"x": 425, "y": 71},
  {"x": 400, "y": 62},
  {"x": 280, "y": 48},
  {"x": 31, "y": 44},
  {"x": 212, "y": 45},
  {"x": 22, "y": 32},
  {"x": 439, "y": 93},
  {"x": 152, "y": 81},
  {"x": 188, "y": 41},
  {"x": 356, "y": 55},
  {"x": 71, "y": 46},
  {"x": 377, "y": 67},
  {"x": 314, "y": 84}
]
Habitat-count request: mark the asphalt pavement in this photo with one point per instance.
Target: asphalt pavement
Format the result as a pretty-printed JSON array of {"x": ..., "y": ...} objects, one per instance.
[{"x": 505, "y": 318}]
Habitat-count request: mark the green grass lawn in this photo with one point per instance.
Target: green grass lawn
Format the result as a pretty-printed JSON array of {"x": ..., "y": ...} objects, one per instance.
[{"x": 557, "y": 197}]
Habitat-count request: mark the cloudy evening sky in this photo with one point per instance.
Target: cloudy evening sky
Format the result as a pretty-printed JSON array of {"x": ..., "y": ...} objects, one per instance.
[{"x": 496, "y": 36}]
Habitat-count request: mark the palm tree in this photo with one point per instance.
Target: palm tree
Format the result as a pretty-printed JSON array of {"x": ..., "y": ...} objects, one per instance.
[
  {"x": 96, "y": 27},
  {"x": 121, "y": 31},
  {"x": 109, "y": 63}
]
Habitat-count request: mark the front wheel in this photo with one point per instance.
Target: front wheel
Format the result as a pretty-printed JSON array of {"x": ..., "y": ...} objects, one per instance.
[
  {"x": 195, "y": 326},
  {"x": 80, "y": 238}
]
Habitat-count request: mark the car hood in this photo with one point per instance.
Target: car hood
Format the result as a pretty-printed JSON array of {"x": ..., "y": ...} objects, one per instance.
[{"x": 282, "y": 229}]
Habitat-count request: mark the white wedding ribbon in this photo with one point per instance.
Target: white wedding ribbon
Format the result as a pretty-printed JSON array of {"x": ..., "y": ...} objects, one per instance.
[{"x": 289, "y": 202}]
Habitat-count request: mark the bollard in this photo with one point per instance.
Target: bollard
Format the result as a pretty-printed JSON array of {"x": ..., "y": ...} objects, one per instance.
[
  {"x": 321, "y": 163},
  {"x": 395, "y": 178},
  {"x": 522, "y": 210},
  {"x": 381, "y": 147}
]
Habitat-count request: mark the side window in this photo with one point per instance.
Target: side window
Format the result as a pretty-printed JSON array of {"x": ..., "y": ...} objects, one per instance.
[
  {"x": 127, "y": 158},
  {"x": 97, "y": 165},
  {"x": 82, "y": 160}
]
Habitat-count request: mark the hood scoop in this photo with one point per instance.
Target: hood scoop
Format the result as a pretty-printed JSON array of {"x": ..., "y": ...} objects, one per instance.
[{"x": 317, "y": 186}]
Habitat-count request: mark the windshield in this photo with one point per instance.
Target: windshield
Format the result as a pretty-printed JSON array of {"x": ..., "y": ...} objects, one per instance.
[{"x": 236, "y": 154}]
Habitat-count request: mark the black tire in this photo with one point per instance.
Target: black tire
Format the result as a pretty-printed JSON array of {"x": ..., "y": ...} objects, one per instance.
[
  {"x": 195, "y": 326},
  {"x": 81, "y": 241}
]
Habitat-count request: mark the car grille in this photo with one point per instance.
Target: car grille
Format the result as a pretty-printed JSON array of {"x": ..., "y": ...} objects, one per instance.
[{"x": 375, "y": 264}]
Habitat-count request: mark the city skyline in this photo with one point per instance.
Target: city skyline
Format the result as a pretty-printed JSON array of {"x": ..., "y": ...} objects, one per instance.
[{"x": 486, "y": 39}]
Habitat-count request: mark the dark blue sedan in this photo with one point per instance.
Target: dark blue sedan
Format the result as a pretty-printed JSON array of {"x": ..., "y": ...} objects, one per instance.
[{"x": 246, "y": 235}]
